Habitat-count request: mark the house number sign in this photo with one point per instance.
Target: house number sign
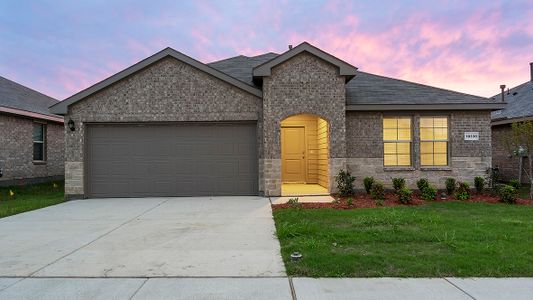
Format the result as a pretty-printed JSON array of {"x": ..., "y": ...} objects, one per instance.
[{"x": 472, "y": 136}]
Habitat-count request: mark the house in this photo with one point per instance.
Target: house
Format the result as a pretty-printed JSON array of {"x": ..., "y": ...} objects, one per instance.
[
  {"x": 519, "y": 108},
  {"x": 31, "y": 138},
  {"x": 268, "y": 124}
]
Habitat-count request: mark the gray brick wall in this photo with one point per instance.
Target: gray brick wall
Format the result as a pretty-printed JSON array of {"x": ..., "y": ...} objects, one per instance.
[
  {"x": 364, "y": 138},
  {"x": 16, "y": 149},
  {"x": 303, "y": 84},
  {"x": 167, "y": 91}
]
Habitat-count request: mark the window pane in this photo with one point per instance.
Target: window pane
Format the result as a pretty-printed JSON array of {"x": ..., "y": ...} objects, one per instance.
[
  {"x": 440, "y": 160},
  {"x": 389, "y": 160},
  {"x": 426, "y": 122},
  {"x": 441, "y": 122},
  {"x": 390, "y": 123},
  {"x": 404, "y": 148},
  {"x": 440, "y": 147},
  {"x": 389, "y": 148},
  {"x": 426, "y": 159},
  {"x": 390, "y": 134},
  {"x": 426, "y": 133},
  {"x": 426, "y": 147},
  {"x": 38, "y": 132},
  {"x": 441, "y": 133},
  {"x": 404, "y": 123},
  {"x": 404, "y": 134},
  {"x": 38, "y": 153},
  {"x": 404, "y": 160}
]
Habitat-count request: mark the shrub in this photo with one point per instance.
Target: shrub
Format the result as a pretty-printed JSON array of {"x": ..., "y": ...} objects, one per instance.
[
  {"x": 293, "y": 202},
  {"x": 515, "y": 183},
  {"x": 350, "y": 201},
  {"x": 378, "y": 192},
  {"x": 429, "y": 193},
  {"x": 463, "y": 191},
  {"x": 479, "y": 183},
  {"x": 398, "y": 184},
  {"x": 450, "y": 185},
  {"x": 508, "y": 194},
  {"x": 344, "y": 183},
  {"x": 367, "y": 182},
  {"x": 422, "y": 183},
  {"x": 405, "y": 195}
]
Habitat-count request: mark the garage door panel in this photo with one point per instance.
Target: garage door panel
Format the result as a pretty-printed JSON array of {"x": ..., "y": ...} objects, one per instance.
[{"x": 184, "y": 159}]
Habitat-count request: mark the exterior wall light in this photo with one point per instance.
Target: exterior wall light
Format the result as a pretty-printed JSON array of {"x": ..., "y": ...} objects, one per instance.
[{"x": 71, "y": 125}]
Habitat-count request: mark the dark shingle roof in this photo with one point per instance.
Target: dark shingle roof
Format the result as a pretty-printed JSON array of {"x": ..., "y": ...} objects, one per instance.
[
  {"x": 14, "y": 95},
  {"x": 364, "y": 88},
  {"x": 240, "y": 67},
  {"x": 519, "y": 102},
  {"x": 368, "y": 88}
]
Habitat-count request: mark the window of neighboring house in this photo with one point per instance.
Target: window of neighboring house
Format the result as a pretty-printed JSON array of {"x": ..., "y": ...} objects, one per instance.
[
  {"x": 433, "y": 141},
  {"x": 396, "y": 141},
  {"x": 39, "y": 141}
]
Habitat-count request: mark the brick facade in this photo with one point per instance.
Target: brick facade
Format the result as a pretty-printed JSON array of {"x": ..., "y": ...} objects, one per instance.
[
  {"x": 167, "y": 91},
  {"x": 172, "y": 91},
  {"x": 16, "y": 151},
  {"x": 303, "y": 84},
  {"x": 501, "y": 157},
  {"x": 467, "y": 159}
]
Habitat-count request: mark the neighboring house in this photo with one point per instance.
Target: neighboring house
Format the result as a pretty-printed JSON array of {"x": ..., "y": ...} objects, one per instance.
[
  {"x": 519, "y": 108},
  {"x": 173, "y": 126},
  {"x": 31, "y": 138}
]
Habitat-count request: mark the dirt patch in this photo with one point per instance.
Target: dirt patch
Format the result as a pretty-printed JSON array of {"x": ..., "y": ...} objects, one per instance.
[{"x": 363, "y": 200}]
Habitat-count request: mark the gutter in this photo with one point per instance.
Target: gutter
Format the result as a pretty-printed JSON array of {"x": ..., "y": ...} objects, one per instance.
[
  {"x": 34, "y": 115},
  {"x": 401, "y": 107}
]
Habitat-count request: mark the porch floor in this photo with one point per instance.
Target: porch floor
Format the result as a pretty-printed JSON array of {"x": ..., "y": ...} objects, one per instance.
[{"x": 302, "y": 189}]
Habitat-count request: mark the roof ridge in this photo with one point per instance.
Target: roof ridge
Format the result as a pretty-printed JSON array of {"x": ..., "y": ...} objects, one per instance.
[
  {"x": 29, "y": 88},
  {"x": 424, "y": 85},
  {"x": 513, "y": 88},
  {"x": 233, "y": 57}
]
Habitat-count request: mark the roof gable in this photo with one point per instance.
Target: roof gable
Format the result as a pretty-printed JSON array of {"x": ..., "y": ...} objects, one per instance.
[
  {"x": 61, "y": 107},
  {"x": 265, "y": 69}
]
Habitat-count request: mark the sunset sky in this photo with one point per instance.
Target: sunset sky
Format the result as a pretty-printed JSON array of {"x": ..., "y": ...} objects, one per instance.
[{"x": 62, "y": 47}]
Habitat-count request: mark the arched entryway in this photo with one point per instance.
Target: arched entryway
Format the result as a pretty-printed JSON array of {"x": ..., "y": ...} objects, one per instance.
[{"x": 304, "y": 155}]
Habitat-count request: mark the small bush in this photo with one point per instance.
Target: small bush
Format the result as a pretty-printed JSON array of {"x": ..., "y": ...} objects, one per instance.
[
  {"x": 422, "y": 183},
  {"x": 515, "y": 183},
  {"x": 429, "y": 193},
  {"x": 367, "y": 182},
  {"x": 508, "y": 194},
  {"x": 350, "y": 201},
  {"x": 450, "y": 185},
  {"x": 378, "y": 192},
  {"x": 398, "y": 184},
  {"x": 479, "y": 183},
  {"x": 405, "y": 195},
  {"x": 293, "y": 202},
  {"x": 344, "y": 183},
  {"x": 463, "y": 191}
]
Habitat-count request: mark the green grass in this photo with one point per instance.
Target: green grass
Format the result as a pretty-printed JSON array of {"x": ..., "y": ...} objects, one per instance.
[
  {"x": 29, "y": 197},
  {"x": 438, "y": 239}
]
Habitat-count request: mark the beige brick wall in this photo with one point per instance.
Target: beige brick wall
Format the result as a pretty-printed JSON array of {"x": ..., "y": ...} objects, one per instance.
[{"x": 16, "y": 149}]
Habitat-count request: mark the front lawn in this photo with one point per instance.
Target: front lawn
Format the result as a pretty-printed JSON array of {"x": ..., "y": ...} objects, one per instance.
[
  {"x": 18, "y": 199},
  {"x": 433, "y": 240}
]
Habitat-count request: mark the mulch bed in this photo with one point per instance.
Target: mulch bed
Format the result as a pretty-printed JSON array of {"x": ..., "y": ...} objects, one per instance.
[{"x": 363, "y": 200}]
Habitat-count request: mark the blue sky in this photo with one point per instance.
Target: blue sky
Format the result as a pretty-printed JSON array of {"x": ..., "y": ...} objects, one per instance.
[{"x": 62, "y": 47}]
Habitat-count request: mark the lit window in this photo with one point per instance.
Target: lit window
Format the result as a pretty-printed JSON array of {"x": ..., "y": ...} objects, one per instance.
[
  {"x": 397, "y": 141},
  {"x": 39, "y": 140},
  {"x": 434, "y": 141}
]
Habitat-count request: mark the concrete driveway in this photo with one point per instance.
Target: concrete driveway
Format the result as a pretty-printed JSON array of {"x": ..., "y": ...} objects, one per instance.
[{"x": 148, "y": 237}]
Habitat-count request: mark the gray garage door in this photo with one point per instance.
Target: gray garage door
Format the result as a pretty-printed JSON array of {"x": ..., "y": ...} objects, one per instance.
[{"x": 188, "y": 159}]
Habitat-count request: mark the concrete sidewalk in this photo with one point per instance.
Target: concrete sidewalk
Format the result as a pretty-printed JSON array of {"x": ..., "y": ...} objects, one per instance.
[{"x": 258, "y": 288}]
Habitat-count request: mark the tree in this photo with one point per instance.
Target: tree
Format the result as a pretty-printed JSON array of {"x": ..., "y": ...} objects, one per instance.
[{"x": 520, "y": 143}]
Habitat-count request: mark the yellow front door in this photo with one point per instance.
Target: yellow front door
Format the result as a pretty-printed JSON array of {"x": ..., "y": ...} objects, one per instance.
[{"x": 293, "y": 154}]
